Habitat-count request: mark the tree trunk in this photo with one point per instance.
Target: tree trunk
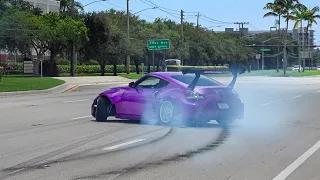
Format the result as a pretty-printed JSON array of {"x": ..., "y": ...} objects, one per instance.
[
  {"x": 285, "y": 50},
  {"x": 136, "y": 63},
  {"x": 36, "y": 65},
  {"x": 102, "y": 67},
  {"x": 115, "y": 69},
  {"x": 279, "y": 37},
  {"x": 73, "y": 57},
  {"x": 53, "y": 55}
]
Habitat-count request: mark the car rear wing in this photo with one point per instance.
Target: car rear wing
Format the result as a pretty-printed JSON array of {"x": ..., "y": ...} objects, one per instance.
[{"x": 198, "y": 72}]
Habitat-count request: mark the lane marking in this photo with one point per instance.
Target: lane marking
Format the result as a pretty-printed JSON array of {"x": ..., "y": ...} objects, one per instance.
[
  {"x": 292, "y": 167},
  {"x": 123, "y": 144},
  {"x": 318, "y": 91},
  {"x": 296, "y": 96},
  {"x": 82, "y": 117},
  {"x": 76, "y": 101},
  {"x": 265, "y": 104},
  {"x": 71, "y": 89}
]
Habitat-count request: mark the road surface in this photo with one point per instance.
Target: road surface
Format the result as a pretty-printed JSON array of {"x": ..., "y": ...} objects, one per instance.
[{"x": 53, "y": 137}]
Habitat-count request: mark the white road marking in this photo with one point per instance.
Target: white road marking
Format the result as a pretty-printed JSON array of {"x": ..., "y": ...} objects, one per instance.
[
  {"x": 82, "y": 117},
  {"x": 76, "y": 101},
  {"x": 265, "y": 104},
  {"x": 318, "y": 91},
  {"x": 296, "y": 96},
  {"x": 123, "y": 144},
  {"x": 292, "y": 167}
]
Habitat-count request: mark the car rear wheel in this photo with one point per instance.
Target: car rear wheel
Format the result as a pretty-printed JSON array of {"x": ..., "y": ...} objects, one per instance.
[
  {"x": 225, "y": 121},
  {"x": 166, "y": 112},
  {"x": 103, "y": 109}
]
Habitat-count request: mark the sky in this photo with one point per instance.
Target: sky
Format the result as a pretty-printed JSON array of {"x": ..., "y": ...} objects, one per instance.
[{"x": 214, "y": 14}]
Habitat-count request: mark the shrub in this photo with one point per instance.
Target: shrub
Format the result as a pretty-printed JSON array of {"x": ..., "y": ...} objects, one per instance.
[
  {"x": 179, "y": 68},
  {"x": 96, "y": 69},
  {"x": 63, "y": 61}
]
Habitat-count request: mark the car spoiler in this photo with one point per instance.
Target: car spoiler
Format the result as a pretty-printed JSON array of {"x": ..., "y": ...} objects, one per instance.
[{"x": 198, "y": 72}]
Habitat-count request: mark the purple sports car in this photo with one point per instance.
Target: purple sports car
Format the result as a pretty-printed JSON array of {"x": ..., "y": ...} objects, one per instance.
[{"x": 169, "y": 97}]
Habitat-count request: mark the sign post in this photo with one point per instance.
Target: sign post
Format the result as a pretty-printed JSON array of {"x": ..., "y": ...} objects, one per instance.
[{"x": 158, "y": 44}]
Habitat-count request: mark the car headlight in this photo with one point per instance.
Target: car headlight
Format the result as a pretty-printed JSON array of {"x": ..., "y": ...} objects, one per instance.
[{"x": 194, "y": 95}]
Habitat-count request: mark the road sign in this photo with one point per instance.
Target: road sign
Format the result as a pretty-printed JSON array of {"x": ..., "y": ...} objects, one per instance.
[
  {"x": 158, "y": 44},
  {"x": 265, "y": 49},
  {"x": 258, "y": 56}
]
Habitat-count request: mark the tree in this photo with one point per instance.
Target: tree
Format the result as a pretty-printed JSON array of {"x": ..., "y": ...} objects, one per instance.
[
  {"x": 287, "y": 6},
  {"x": 276, "y": 11}
]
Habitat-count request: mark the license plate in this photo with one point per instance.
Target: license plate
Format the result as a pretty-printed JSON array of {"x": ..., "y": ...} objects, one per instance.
[{"x": 223, "y": 105}]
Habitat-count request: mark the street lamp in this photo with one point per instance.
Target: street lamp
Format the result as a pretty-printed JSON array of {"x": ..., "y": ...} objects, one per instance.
[
  {"x": 144, "y": 10},
  {"x": 128, "y": 35},
  {"x": 93, "y": 2}
]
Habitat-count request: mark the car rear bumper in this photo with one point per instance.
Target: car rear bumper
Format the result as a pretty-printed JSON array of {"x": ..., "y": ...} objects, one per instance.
[{"x": 204, "y": 111}]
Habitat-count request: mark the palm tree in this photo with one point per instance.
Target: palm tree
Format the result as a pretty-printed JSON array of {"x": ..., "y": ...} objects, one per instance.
[
  {"x": 276, "y": 11},
  {"x": 66, "y": 5},
  {"x": 299, "y": 15},
  {"x": 287, "y": 7},
  {"x": 310, "y": 17}
]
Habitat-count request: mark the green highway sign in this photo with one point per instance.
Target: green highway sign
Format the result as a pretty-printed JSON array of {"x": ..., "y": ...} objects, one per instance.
[
  {"x": 265, "y": 49},
  {"x": 158, "y": 44}
]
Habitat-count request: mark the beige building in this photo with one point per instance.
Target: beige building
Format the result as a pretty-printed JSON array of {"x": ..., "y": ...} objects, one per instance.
[{"x": 46, "y": 5}]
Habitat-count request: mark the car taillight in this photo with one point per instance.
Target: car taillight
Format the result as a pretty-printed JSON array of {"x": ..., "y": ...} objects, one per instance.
[{"x": 194, "y": 95}]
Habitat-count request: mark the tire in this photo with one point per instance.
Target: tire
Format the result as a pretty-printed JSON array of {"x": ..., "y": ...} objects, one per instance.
[
  {"x": 225, "y": 121},
  {"x": 103, "y": 109},
  {"x": 166, "y": 113}
]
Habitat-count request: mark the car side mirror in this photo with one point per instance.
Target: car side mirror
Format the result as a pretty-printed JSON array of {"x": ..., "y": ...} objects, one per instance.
[{"x": 131, "y": 84}]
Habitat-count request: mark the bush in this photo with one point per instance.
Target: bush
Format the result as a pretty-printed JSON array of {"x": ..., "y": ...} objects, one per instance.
[
  {"x": 122, "y": 69},
  {"x": 179, "y": 68},
  {"x": 96, "y": 69},
  {"x": 63, "y": 61}
]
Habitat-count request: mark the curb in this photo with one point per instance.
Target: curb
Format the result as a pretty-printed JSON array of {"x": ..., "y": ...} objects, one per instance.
[
  {"x": 59, "y": 88},
  {"x": 63, "y": 88}
]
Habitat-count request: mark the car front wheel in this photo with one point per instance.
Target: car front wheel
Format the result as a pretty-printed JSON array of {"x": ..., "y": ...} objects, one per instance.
[{"x": 103, "y": 109}]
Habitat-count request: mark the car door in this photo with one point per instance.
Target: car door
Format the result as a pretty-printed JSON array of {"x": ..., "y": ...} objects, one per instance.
[{"x": 136, "y": 99}]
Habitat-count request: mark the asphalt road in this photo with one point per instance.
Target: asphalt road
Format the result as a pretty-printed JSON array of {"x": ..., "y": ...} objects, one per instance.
[{"x": 53, "y": 137}]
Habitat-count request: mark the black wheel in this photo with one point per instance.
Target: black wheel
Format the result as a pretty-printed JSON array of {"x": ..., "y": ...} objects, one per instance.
[
  {"x": 225, "y": 121},
  {"x": 103, "y": 109}
]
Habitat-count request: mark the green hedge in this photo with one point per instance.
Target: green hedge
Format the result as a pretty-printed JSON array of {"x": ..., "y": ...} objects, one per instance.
[
  {"x": 179, "y": 68},
  {"x": 121, "y": 68},
  {"x": 96, "y": 69}
]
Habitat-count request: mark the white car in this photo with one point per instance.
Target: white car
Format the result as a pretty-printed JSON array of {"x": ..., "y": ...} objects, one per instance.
[
  {"x": 296, "y": 68},
  {"x": 318, "y": 68}
]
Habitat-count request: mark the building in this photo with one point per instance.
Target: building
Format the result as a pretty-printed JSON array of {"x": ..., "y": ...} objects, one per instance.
[
  {"x": 300, "y": 35},
  {"x": 46, "y": 5}
]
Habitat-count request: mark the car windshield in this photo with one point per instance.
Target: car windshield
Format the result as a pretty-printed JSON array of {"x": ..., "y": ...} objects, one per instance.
[{"x": 203, "y": 80}]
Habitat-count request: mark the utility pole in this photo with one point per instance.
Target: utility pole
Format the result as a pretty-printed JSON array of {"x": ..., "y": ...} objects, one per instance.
[
  {"x": 198, "y": 16},
  {"x": 73, "y": 51},
  {"x": 241, "y": 27},
  {"x": 181, "y": 37},
  {"x": 128, "y": 39}
]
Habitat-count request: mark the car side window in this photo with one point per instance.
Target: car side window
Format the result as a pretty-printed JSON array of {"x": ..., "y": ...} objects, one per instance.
[{"x": 149, "y": 82}]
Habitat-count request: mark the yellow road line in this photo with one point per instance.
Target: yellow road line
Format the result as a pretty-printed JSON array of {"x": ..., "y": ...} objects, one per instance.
[{"x": 71, "y": 89}]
